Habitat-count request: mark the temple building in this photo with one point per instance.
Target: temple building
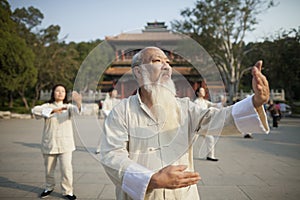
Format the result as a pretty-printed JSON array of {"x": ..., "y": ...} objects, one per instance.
[{"x": 126, "y": 45}]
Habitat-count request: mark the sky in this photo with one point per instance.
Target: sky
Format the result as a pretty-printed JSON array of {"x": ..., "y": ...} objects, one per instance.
[{"x": 88, "y": 20}]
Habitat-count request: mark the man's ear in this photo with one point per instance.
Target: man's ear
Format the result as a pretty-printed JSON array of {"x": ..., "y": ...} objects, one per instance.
[{"x": 137, "y": 72}]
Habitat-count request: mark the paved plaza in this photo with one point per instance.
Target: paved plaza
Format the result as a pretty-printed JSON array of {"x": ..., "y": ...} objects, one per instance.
[{"x": 263, "y": 168}]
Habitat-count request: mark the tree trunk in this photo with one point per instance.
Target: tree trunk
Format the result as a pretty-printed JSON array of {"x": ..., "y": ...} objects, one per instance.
[
  {"x": 25, "y": 103},
  {"x": 11, "y": 100},
  {"x": 24, "y": 100},
  {"x": 231, "y": 92},
  {"x": 37, "y": 96}
]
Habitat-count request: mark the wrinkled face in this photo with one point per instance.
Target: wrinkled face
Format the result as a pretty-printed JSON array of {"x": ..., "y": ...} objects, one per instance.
[
  {"x": 59, "y": 93},
  {"x": 157, "y": 65}
]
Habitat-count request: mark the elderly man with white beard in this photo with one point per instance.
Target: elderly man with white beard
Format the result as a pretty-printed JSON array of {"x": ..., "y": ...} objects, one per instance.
[{"x": 147, "y": 142}]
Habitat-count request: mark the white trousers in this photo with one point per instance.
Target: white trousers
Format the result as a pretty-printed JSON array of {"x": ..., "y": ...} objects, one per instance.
[
  {"x": 207, "y": 148},
  {"x": 65, "y": 161}
]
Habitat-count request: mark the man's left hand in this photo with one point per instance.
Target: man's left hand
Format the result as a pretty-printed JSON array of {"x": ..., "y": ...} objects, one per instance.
[{"x": 260, "y": 86}]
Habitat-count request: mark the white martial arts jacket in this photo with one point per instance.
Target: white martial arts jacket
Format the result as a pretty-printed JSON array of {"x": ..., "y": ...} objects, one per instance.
[
  {"x": 58, "y": 136},
  {"x": 133, "y": 147}
]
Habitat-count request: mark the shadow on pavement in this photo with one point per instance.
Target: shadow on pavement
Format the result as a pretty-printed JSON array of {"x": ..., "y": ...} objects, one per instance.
[{"x": 6, "y": 183}]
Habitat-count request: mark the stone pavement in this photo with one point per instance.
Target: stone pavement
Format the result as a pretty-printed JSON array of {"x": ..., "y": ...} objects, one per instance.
[{"x": 263, "y": 168}]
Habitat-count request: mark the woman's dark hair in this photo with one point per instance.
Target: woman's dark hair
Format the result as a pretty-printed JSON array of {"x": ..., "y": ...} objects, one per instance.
[
  {"x": 110, "y": 89},
  {"x": 52, "y": 99},
  {"x": 197, "y": 91}
]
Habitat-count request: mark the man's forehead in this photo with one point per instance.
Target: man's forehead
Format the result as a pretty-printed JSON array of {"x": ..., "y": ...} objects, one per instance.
[{"x": 150, "y": 53}]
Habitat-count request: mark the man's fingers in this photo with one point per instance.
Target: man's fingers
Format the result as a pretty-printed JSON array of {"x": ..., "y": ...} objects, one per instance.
[
  {"x": 257, "y": 68},
  {"x": 257, "y": 75},
  {"x": 190, "y": 174},
  {"x": 179, "y": 167},
  {"x": 259, "y": 64},
  {"x": 259, "y": 85},
  {"x": 259, "y": 78},
  {"x": 263, "y": 80},
  {"x": 177, "y": 177},
  {"x": 190, "y": 178}
]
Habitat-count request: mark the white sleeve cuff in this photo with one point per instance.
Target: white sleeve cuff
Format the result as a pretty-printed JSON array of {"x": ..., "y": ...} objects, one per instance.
[
  {"x": 136, "y": 180},
  {"x": 219, "y": 105},
  {"x": 247, "y": 119},
  {"x": 74, "y": 109},
  {"x": 106, "y": 112},
  {"x": 46, "y": 112}
]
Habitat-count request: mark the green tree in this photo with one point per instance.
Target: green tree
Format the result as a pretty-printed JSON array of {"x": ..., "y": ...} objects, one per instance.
[
  {"x": 55, "y": 61},
  {"x": 281, "y": 60},
  {"x": 28, "y": 19},
  {"x": 17, "y": 71},
  {"x": 93, "y": 65},
  {"x": 220, "y": 27}
]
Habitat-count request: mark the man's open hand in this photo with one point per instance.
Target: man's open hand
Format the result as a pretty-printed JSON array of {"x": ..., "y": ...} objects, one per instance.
[
  {"x": 260, "y": 86},
  {"x": 172, "y": 177}
]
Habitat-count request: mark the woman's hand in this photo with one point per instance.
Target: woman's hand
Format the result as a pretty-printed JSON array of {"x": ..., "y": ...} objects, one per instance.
[
  {"x": 77, "y": 98},
  {"x": 59, "y": 110}
]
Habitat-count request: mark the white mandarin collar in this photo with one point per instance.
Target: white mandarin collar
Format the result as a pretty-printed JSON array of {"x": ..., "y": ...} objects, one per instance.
[{"x": 59, "y": 103}]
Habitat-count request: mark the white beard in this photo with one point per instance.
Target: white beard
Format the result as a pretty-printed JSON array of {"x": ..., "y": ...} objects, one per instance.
[{"x": 165, "y": 108}]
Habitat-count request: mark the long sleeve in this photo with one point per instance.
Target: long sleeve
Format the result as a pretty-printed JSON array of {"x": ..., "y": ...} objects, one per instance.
[
  {"x": 42, "y": 111},
  {"x": 74, "y": 109},
  {"x": 136, "y": 180},
  {"x": 132, "y": 177},
  {"x": 249, "y": 119}
]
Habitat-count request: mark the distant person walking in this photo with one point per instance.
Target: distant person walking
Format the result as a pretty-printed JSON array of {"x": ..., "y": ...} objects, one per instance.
[
  {"x": 275, "y": 113},
  {"x": 58, "y": 140}
]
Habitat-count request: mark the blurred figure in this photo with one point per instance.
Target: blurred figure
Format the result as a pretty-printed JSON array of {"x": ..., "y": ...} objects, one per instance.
[
  {"x": 208, "y": 139},
  {"x": 110, "y": 101},
  {"x": 58, "y": 139},
  {"x": 108, "y": 104},
  {"x": 275, "y": 113},
  {"x": 285, "y": 109}
]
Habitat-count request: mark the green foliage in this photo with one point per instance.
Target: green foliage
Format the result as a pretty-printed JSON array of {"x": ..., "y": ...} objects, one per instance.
[
  {"x": 281, "y": 60},
  {"x": 94, "y": 65},
  {"x": 16, "y": 109},
  {"x": 29, "y": 18},
  {"x": 295, "y": 108},
  {"x": 17, "y": 71},
  {"x": 220, "y": 27},
  {"x": 33, "y": 59},
  {"x": 6, "y": 23}
]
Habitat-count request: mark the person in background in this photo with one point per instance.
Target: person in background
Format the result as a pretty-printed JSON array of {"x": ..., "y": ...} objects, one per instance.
[
  {"x": 110, "y": 101},
  {"x": 57, "y": 139},
  {"x": 277, "y": 105},
  {"x": 147, "y": 149},
  {"x": 275, "y": 113},
  {"x": 208, "y": 139}
]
